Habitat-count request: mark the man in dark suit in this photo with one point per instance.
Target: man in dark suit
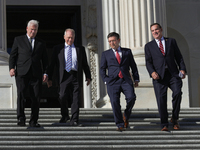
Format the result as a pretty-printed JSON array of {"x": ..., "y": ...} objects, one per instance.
[
  {"x": 70, "y": 61},
  {"x": 165, "y": 65},
  {"x": 118, "y": 61},
  {"x": 28, "y": 62}
]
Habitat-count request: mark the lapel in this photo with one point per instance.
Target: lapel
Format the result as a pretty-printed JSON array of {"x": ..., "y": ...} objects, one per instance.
[
  {"x": 77, "y": 52},
  {"x": 123, "y": 54},
  {"x": 112, "y": 55},
  {"x": 27, "y": 43},
  {"x": 155, "y": 46},
  {"x": 61, "y": 55},
  {"x": 35, "y": 45},
  {"x": 166, "y": 46}
]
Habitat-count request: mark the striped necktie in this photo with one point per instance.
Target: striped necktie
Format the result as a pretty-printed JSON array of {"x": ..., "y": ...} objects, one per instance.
[
  {"x": 119, "y": 60},
  {"x": 161, "y": 47},
  {"x": 69, "y": 59}
]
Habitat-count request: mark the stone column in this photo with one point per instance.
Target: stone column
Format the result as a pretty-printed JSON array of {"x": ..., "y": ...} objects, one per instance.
[
  {"x": 136, "y": 16},
  {"x": 7, "y": 84},
  {"x": 108, "y": 21},
  {"x": 3, "y": 54}
]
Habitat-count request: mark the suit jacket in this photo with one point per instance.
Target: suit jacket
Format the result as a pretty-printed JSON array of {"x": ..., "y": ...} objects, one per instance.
[
  {"x": 155, "y": 61},
  {"x": 22, "y": 57},
  {"x": 58, "y": 60},
  {"x": 109, "y": 61}
]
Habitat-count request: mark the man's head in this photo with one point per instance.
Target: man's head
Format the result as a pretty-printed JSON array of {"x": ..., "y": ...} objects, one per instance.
[
  {"x": 156, "y": 30},
  {"x": 32, "y": 28},
  {"x": 69, "y": 36},
  {"x": 113, "y": 40}
]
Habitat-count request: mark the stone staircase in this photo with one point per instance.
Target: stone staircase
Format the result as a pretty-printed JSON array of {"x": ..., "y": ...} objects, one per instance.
[{"x": 99, "y": 131}]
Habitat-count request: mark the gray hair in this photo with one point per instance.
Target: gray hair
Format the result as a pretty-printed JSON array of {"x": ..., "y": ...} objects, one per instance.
[
  {"x": 33, "y": 22},
  {"x": 69, "y": 29}
]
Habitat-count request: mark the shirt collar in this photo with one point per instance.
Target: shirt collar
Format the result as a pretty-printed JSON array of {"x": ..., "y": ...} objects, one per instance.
[
  {"x": 66, "y": 45},
  {"x": 119, "y": 49},
  {"x": 29, "y": 37},
  {"x": 157, "y": 40}
]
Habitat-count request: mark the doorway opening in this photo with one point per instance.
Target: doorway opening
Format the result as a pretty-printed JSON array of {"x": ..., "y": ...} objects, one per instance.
[{"x": 53, "y": 20}]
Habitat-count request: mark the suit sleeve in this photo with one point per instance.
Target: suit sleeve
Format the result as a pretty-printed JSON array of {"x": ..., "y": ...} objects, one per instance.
[
  {"x": 149, "y": 61},
  {"x": 134, "y": 69},
  {"x": 178, "y": 56},
  {"x": 103, "y": 67},
  {"x": 85, "y": 66},
  {"x": 13, "y": 55},
  {"x": 44, "y": 59}
]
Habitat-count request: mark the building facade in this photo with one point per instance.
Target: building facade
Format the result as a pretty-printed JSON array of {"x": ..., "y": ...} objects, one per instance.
[{"x": 92, "y": 21}]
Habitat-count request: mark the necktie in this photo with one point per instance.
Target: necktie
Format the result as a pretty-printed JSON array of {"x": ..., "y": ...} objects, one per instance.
[
  {"x": 69, "y": 59},
  {"x": 31, "y": 40},
  {"x": 119, "y": 60},
  {"x": 161, "y": 47}
]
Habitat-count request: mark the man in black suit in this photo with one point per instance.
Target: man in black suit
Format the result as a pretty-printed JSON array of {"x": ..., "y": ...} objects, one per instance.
[
  {"x": 28, "y": 62},
  {"x": 166, "y": 66},
  {"x": 115, "y": 72},
  {"x": 70, "y": 61}
]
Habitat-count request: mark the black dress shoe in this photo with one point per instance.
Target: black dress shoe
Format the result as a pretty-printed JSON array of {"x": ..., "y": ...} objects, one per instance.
[
  {"x": 64, "y": 119},
  {"x": 34, "y": 125},
  {"x": 76, "y": 124},
  {"x": 21, "y": 123}
]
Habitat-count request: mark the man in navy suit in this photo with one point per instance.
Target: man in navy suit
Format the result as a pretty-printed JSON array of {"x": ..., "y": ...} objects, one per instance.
[
  {"x": 118, "y": 61},
  {"x": 28, "y": 63},
  {"x": 70, "y": 76},
  {"x": 166, "y": 66}
]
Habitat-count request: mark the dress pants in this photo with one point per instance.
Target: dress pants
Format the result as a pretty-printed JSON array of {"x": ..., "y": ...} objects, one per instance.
[
  {"x": 70, "y": 85},
  {"x": 114, "y": 92},
  {"x": 34, "y": 84},
  {"x": 160, "y": 88}
]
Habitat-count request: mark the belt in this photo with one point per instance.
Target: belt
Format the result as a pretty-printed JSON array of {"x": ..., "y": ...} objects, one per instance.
[{"x": 72, "y": 72}]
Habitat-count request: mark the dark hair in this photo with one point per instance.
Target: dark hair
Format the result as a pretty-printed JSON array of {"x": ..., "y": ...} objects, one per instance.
[
  {"x": 113, "y": 34},
  {"x": 156, "y": 24}
]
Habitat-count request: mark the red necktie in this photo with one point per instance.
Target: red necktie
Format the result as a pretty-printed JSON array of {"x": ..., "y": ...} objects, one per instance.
[
  {"x": 119, "y": 60},
  {"x": 161, "y": 47}
]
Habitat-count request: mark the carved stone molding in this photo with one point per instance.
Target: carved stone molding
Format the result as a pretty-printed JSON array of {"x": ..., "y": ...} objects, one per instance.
[{"x": 91, "y": 35}]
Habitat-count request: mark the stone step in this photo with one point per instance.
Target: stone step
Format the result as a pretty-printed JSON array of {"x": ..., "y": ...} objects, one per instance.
[{"x": 99, "y": 131}]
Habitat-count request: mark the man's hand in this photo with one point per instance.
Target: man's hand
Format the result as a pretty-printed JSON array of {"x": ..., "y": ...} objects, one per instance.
[
  {"x": 12, "y": 72},
  {"x": 88, "y": 81},
  {"x": 45, "y": 78},
  {"x": 49, "y": 83},
  {"x": 155, "y": 76},
  {"x": 183, "y": 72},
  {"x": 136, "y": 84}
]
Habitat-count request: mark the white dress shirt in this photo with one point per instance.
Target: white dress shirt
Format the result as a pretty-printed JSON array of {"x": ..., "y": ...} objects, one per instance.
[
  {"x": 119, "y": 51},
  {"x": 74, "y": 57},
  {"x": 163, "y": 42},
  {"x": 33, "y": 41}
]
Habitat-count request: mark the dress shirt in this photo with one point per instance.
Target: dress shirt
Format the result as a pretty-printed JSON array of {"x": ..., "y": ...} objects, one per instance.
[
  {"x": 163, "y": 42},
  {"x": 119, "y": 51},
  {"x": 33, "y": 41},
  {"x": 74, "y": 57}
]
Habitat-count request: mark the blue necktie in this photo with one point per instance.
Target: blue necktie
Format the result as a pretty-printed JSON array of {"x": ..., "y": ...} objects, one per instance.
[{"x": 69, "y": 59}]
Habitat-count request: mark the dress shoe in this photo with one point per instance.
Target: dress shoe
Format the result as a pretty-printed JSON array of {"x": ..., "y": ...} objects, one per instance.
[
  {"x": 21, "y": 123},
  {"x": 76, "y": 124},
  {"x": 164, "y": 128},
  {"x": 64, "y": 119},
  {"x": 120, "y": 129},
  {"x": 126, "y": 123},
  {"x": 37, "y": 125},
  {"x": 175, "y": 124},
  {"x": 176, "y": 127}
]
